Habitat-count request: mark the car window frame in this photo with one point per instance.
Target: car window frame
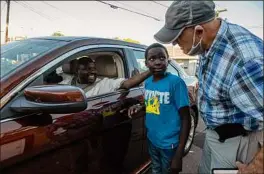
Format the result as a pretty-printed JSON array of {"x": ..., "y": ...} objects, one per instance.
[
  {"x": 59, "y": 60},
  {"x": 138, "y": 50}
]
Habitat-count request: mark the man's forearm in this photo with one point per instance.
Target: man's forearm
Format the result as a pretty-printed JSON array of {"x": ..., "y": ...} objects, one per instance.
[
  {"x": 185, "y": 128},
  {"x": 135, "y": 80}
]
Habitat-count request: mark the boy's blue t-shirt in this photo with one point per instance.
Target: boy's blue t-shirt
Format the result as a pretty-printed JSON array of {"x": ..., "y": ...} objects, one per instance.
[{"x": 163, "y": 99}]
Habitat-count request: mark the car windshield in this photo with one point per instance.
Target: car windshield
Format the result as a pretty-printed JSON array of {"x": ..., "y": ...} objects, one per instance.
[{"x": 17, "y": 53}]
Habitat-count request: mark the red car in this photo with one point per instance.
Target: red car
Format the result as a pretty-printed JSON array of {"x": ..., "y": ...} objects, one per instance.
[{"x": 52, "y": 128}]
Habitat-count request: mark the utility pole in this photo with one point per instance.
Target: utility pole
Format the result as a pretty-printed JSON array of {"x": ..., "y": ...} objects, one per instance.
[{"x": 7, "y": 20}]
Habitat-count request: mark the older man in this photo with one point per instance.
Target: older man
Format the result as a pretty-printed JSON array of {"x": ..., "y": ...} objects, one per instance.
[{"x": 230, "y": 76}]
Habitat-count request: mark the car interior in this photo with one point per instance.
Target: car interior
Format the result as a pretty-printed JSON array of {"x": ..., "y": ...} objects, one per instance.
[{"x": 108, "y": 65}]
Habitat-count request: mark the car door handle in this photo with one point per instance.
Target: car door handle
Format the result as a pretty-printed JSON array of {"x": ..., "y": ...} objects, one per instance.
[{"x": 136, "y": 136}]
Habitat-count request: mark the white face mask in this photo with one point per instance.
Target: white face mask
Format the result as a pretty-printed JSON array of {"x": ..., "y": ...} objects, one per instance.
[{"x": 197, "y": 49}]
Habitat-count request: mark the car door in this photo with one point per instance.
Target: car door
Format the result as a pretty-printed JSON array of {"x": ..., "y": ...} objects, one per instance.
[
  {"x": 50, "y": 143},
  {"x": 139, "y": 63},
  {"x": 94, "y": 141},
  {"x": 121, "y": 136},
  {"x": 138, "y": 58},
  {"x": 66, "y": 143},
  {"x": 121, "y": 141}
]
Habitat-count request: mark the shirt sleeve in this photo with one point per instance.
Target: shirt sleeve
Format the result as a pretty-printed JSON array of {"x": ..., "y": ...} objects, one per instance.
[
  {"x": 181, "y": 97},
  {"x": 246, "y": 91},
  {"x": 112, "y": 85}
]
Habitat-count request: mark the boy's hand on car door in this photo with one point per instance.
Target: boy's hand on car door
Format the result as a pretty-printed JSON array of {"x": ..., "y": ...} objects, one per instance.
[{"x": 134, "y": 109}]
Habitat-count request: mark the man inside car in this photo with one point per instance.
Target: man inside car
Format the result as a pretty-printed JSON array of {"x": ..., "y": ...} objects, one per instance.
[{"x": 86, "y": 78}]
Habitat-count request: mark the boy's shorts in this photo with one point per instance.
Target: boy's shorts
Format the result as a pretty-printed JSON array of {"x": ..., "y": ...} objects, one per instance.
[{"x": 161, "y": 159}]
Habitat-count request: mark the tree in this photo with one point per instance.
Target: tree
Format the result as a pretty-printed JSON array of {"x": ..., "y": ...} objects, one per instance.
[
  {"x": 127, "y": 40},
  {"x": 131, "y": 40},
  {"x": 57, "y": 33},
  {"x": 117, "y": 38},
  {"x": 217, "y": 12}
]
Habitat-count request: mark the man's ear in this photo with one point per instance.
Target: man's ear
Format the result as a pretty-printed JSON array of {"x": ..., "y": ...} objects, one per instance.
[{"x": 199, "y": 31}]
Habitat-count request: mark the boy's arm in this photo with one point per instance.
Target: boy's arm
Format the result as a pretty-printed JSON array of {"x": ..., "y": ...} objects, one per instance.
[
  {"x": 182, "y": 102},
  {"x": 184, "y": 113}
]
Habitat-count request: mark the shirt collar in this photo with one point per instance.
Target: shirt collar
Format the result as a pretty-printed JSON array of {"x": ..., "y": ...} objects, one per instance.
[{"x": 220, "y": 35}]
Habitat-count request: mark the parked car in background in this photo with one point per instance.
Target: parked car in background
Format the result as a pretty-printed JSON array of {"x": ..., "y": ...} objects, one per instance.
[
  {"x": 191, "y": 82},
  {"x": 52, "y": 128}
]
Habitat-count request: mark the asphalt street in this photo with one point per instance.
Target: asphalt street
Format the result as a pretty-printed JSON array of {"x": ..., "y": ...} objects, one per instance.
[{"x": 191, "y": 160}]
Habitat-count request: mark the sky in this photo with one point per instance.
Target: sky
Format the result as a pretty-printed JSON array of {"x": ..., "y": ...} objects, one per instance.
[{"x": 91, "y": 18}]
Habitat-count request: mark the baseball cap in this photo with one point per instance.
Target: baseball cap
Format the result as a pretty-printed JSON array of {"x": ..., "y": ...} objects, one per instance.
[{"x": 182, "y": 14}]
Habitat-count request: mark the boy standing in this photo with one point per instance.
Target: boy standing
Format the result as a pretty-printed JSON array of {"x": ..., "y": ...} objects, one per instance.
[{"x": 167, "y": 112}]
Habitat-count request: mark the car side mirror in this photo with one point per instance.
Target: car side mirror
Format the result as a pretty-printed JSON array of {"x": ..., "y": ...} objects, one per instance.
[{"x": 52, "y": 99}]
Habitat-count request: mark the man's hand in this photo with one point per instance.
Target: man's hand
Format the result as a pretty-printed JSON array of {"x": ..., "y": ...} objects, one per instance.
[
  {"x": 242, "y": 168},
  {"x": 250, "y": 169},
  {"x": 134, "y": 109},
  {"x": 255, "y": 167}
]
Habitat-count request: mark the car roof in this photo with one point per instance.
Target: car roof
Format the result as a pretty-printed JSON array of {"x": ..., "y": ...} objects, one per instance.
[
  {"x": 62, "y": 38},
  {"x": 91, "y": 39}
]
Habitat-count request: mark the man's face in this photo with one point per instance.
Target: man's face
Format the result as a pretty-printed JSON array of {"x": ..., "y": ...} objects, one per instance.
[
  {"x": 185, "y": 40},
  {"x": 157, "y": 61},
  {"x": 87, "y": 73}
]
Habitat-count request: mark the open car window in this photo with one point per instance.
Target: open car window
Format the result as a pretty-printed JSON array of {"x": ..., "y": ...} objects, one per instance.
[{"x": 109, "y": 73}]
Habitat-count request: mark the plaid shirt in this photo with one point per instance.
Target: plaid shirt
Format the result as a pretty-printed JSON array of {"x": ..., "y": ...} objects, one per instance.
[{"x": 231, "y": 79}]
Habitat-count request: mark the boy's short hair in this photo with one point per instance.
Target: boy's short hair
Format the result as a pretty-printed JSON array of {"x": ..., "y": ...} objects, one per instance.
[{"x": 155, "y": 45}]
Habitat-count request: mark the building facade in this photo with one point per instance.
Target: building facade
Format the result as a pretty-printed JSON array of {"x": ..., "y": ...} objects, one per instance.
[{"x": 189, "y": 63}]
